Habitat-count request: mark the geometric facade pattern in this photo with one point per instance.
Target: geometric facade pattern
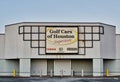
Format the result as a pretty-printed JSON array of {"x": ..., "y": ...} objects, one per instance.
[
  {"x": 37, "y": 36},
  {"x": 87, "y": 35}
]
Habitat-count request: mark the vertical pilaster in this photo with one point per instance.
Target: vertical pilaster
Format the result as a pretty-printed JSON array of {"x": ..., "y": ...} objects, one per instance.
[
  {"x": 97, "y": 67},
  {"x": 2, "y": 67},
  {"x": 25, "y": 65}
]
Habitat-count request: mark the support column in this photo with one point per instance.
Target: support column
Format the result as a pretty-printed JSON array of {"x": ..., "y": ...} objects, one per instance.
[
  {"x": 2, "y": 67},
  {"x": 25, "y": 65},
  {"x": 97, "y": 67}
]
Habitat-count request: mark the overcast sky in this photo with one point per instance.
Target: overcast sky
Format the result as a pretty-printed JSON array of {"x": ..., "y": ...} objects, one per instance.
[{"x": 105, "y": 11}]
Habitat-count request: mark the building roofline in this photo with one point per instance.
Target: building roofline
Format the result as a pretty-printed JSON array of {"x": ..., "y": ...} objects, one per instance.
[
  {"x": 2, "y": 33},
  {"x": 117, "y": 34},
  {"x": 60, "y": 23}
]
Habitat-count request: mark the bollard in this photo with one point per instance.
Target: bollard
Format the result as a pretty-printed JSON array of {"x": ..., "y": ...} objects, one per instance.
[
  {"x": 107, "y": 72},
  {"x": 61, "y": 72},
  {"x": 51, "y": 74},
  {"x": 82, "y": 73},
  {"x": 71, "y": 73},
  {"x": 41, "y": 73},
  {"x": 14, "y": 72}
]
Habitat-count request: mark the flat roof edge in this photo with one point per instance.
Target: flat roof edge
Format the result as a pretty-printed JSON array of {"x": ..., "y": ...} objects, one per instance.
[
  {"x": 117, "y": 34},
  {"x": 2, "y": 33},
  {"x": 60, "y": 23}
]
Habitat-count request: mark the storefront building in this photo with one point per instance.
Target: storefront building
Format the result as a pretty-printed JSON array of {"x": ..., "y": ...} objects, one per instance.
[{"x": 59, "y": 49}]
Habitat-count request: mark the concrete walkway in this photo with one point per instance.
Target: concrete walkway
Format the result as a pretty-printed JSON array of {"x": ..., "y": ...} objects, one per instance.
[{"x": 59, "y": 79}]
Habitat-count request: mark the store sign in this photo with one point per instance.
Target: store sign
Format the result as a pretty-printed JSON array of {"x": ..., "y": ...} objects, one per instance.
[{"x": 61, "y": 40}]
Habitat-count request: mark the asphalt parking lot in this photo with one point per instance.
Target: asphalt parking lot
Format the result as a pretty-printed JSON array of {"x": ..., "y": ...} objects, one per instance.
[{"x": 59, "y": 79}]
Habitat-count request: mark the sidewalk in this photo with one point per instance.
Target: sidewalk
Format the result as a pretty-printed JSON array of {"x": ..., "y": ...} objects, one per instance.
[{"x": 59, "y": 79}]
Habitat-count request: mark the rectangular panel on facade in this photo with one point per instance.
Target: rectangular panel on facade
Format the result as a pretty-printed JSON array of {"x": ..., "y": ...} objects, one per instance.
[
  {"x": 26, "y": 37},
  {"x": 96, "y": 37},
  {"x": 41, "y": 51},
  {"x": 27, "y": 29},
  {"x": 35, "y": 37},
  {"x": 42, "y": 29},
  {"x": 81, "y": 30},
  {"x": 88, "y": 29},
  {"x": 41, "y": 36},
  {"x": 20, "y": 30},
  {"x": 81, "y": 36},
  {"x": 101, "y": 30},
  {"x": 82, "y": 44},
  {"x": 41, "y": 43},
  {"x": 96, "y": 30},
  {"x": 81, "y": 50},
  {"x": 34, "y": 29},
  {"x": 88, "y": 37},
  {"x": 34, "y": 44},
  {"x": 61, "y": 40}
]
